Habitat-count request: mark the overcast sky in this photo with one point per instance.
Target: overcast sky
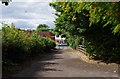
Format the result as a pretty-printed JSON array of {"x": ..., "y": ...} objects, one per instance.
[{"x": 28, "y": 15}]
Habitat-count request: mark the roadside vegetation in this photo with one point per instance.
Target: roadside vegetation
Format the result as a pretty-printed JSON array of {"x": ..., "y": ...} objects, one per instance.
[
  {"x": 95, "y": 25},
  {"x": 19, "y": 45},
  {"x": 92, "y": 24}
]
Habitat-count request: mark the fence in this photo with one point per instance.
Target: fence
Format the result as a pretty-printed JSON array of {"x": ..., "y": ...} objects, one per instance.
[{"x": 82, "y": 49}]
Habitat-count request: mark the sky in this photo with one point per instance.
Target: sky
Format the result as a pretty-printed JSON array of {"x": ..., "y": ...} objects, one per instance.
[{"x": 27, "y": 15}]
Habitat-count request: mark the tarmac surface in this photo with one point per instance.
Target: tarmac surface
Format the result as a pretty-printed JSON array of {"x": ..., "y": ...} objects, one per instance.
[{"x": 64, "y": 62}]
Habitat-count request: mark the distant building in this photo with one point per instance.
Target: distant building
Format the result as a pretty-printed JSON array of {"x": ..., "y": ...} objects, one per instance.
[
  {"x": 43, "y": 33},
  {"x": 59, "y": 39},
  {"x": 47, "y": 34}
]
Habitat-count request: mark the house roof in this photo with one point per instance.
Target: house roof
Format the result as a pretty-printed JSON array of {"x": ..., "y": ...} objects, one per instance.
[{"x": 45, "y": 34}]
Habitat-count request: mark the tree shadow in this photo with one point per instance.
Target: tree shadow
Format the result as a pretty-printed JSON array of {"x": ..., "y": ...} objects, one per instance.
[
  {"x": 106, "y": 61},
  {"x": 39, "y": 66}
]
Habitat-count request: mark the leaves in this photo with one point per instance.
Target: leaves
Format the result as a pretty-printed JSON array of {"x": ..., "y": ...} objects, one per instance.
[
  {"x": 42, "y": 27},
  {"x": 117, "y": 29},
  {"x": 94, "y": 23},
  {"x": 19, "y": 44}
]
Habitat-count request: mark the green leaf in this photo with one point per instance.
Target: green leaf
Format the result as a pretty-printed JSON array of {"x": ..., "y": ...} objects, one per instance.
[
  {"x": 109, "y": 22},
  {"x": 117, "y": 28}
]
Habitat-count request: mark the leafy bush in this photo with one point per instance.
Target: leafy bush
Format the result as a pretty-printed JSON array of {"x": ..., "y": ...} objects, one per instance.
[
  {"x": 74, "y": 41},
  {"x": 98, "y": 25},
  {"x": 41, "y": 44},
  {"x": 17, "y": 45},
  {"x": 102, "y": 44}
]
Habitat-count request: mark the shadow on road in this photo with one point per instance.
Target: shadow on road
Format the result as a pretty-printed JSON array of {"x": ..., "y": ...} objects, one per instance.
[
  {"x": 39, "y": 66},
  {"x": 68, "y": 65}
]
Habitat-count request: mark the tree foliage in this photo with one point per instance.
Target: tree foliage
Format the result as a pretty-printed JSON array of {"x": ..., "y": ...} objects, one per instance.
[
  {"x": 17, "y": 45},
  {"x": 42, "y": 27},
  {"x": 94, "y": 24}
]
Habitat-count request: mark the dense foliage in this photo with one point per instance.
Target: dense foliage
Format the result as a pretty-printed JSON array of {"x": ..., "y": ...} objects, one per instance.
[
  {"x": 42, "y": 27},
  {"x": 17, "y": 45},
  {"x": 93, "y": 24}
]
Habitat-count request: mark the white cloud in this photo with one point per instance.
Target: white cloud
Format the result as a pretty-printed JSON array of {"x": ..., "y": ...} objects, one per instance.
[
  {"x": 0, "y": 26},
  {"x": 9, "y": 20},
  {"x": 28, "y": 14},
  {"x": 28, "y": 24}
]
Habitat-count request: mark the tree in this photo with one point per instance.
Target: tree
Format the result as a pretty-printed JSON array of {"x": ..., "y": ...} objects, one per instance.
[
  {"x": 98, "y": 25},
  {"x": 42, "y": 27}
]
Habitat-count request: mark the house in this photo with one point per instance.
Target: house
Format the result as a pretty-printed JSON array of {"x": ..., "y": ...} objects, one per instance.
[
  {"x": 59, "y": 39},
  {"x": 43, "y": 33},
  {"x": 47, "y": 34}
]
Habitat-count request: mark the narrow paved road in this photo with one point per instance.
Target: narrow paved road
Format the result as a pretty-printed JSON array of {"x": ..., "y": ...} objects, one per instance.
[{"x": 65, "y": 63}]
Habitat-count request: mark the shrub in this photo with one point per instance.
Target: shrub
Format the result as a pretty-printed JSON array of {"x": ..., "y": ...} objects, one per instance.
[{"x": 17, "y": 45}]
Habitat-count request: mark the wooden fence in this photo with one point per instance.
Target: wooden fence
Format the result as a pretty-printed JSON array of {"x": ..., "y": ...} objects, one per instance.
[{"x": 82, "y": 49}]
